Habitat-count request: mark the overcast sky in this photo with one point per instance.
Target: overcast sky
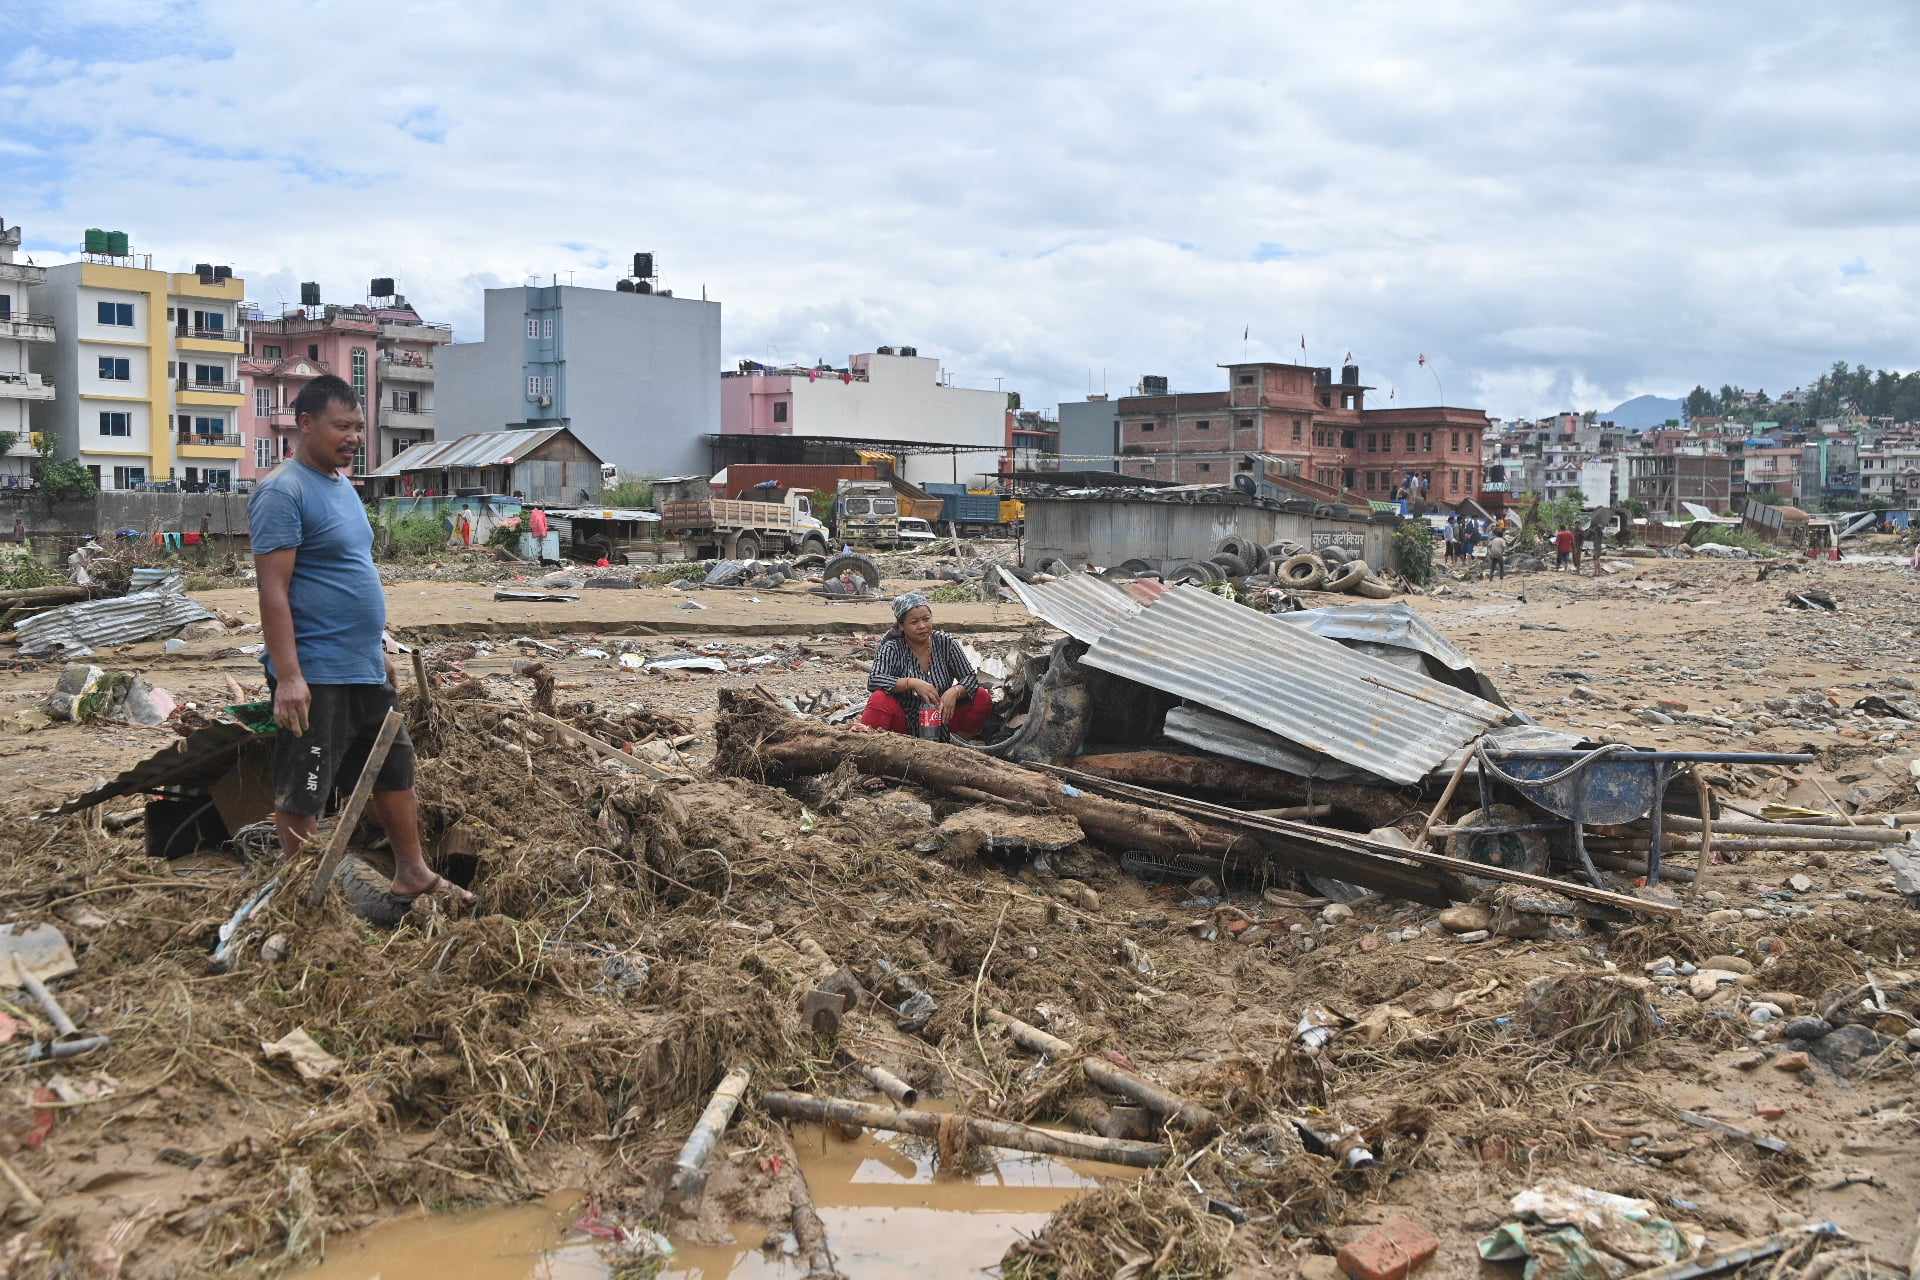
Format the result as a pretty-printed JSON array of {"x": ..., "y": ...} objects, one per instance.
[{"x": 1561, "y": 205}]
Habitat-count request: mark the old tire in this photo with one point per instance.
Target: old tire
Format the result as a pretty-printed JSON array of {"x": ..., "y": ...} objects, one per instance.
[
  {"x": 1347, "y": 576},
  {"x": 1201, "y": 573},
  {"x": 746, "y": 546},
  {"x": 1285, "y": 549},
  {"x": 810, "y": 560},
  {"x": 1373, "y": 589},
  {"x": 1303, "y": 572},
  {"x": 368, "y": 894},
  {"x": 1251, "y": 553},
  {"x": 813, "y": 547},
  {"x": 861, "y": 566},
  {"x": 1231, "y": 566}
]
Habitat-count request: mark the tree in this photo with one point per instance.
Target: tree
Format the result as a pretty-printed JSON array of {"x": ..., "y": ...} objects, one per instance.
[
  {"x": 1699, "y": 402},
  {"x": 1729, "y": 398},
  {"x": 60, "y": 480}
]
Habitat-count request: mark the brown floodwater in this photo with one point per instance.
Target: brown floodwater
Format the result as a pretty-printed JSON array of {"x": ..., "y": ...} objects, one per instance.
[{"x": 885, "y": 1212}]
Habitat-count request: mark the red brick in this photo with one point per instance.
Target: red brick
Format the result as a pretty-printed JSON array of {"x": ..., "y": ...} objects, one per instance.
[{"x": 1391, "y": 1251}]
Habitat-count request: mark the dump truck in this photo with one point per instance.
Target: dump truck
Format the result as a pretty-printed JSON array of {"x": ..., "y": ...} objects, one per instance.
[
  {"x": 741, "y": 530},
  {"x": 977, "y": 513},
  {"x": 868, "y": 512}
]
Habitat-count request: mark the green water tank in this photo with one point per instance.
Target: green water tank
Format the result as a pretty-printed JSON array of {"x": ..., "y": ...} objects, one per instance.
[
  {"x": 117, "y": 244},
  {"x": 96, "y": 240}
]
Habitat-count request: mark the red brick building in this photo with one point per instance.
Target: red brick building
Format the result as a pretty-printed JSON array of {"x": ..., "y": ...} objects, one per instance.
[{"x": 1299, "y": 413}]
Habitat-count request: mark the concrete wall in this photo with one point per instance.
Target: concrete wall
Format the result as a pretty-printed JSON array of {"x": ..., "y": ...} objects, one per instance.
[
  {"x": 1086, "y": 427},
  {"x": 105, "y": 513},
  {"x": 636, "y": 376},
  {"x": 1106, "y": 531}
]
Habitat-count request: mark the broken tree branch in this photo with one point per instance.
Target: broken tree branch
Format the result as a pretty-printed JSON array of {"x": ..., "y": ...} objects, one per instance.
[
  {"x": 993, "y": 1133},
  {"x": 1099, "y": 1071}
]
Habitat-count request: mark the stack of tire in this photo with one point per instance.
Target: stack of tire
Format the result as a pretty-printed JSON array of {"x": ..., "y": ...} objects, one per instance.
[{"x": 1288, "y": 564}]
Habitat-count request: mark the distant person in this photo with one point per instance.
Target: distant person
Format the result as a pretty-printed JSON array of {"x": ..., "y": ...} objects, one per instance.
[
  {"x": 1562, "y": 548},
  {"x": 920, "y": 673},
  {"x": 323, "y": 611},
  {"x": 1497, "y": 556},
  {"x": 1579, "y": 540}
]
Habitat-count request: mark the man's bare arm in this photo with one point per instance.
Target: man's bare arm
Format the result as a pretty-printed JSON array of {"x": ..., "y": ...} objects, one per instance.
[{"x": 291, "y": 699}]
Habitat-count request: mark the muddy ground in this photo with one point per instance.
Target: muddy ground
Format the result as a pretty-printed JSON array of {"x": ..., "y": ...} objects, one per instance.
[{"x": 501, "y": 1055}]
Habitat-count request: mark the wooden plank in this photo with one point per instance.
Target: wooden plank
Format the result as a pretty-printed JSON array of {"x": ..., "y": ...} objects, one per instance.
[
  {"x": 356, "y": 805},
  {"x": 605, "y": 750}
]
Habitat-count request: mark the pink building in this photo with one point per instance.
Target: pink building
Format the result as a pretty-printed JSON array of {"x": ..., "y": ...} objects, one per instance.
[{"x": 385, "y": 352}]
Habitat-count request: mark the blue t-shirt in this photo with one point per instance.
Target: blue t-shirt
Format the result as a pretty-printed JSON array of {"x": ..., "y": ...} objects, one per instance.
[{"x": 339, "y": 608}]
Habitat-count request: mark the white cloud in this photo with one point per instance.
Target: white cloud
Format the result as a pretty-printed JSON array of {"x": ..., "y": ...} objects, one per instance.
[{"x": 1561, "y": 206}]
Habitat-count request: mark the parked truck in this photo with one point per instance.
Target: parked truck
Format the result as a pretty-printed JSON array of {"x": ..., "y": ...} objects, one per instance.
[
  {"x": 977, "y": 513},
  {"x": 868, "y": 512},
  {"x": 742, "y": 530}
]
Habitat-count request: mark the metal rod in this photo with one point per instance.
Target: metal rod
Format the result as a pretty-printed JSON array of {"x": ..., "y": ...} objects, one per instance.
[{"x": 1666, "y": 757}]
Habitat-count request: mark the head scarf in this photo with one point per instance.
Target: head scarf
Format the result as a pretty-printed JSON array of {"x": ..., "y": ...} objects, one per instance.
[{"x": 906, "y": 604}]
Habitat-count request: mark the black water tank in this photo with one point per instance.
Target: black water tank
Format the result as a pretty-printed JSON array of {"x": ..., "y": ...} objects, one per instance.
[
  {"x": 205, "y": 271},
  {"x": 643, "y": 287},
  {"x": 909, "y": 351},
  {"x": 883, "y": 351},
  {"x": 643, "y": 265},
  {"x": 624, "y": 286},
  {"x": 223, "y": 273},
  {"x": 309, "y": 293},
  {"x": 1350, "y": 375},
  {"x": 381, "y": 287}
]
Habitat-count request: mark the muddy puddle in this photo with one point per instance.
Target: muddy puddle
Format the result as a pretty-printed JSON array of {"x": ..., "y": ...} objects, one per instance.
[{"x": 885, "y": 1213}]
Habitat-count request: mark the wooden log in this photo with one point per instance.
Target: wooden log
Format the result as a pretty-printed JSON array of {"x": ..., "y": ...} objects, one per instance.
[
  {"x": 43, "y": 597},
  {"x": 1735, "y": 827},
  {"x": 1296, "y": 811},
  {"x": 356, "y": 805},
  {"x": 690, "y": 1166},
  {"x": 808, "y": 1230},
  {"x": 993, "y": 1133},
  {"x": 1099, "y": 1071},
  {"x": 1637, "y": 866},
  {"x": 1704, "y": 794},
  {"x": 423, "y": 690},
  {"x": 1243, "y": 783},
  {"x": 27, "y": 1200}
]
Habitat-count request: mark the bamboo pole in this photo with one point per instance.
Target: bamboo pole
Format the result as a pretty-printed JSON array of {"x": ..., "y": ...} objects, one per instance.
[
  {"x": 808, "y": 1230},
  {"x": 1735, "y": 827},
  {"x": 1638, "y": 866},
  {"x": 885, "y": 1081},
  {"x": 690, "y": 1166},
  {"x": 1108, "y": 1076},
  {"x": 993, "y": 1133},
  {"x": 1446, "y": 798},
  {"x": 356, "y": 805}
]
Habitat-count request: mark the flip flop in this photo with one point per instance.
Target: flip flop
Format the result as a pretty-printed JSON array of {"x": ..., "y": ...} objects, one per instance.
[{"x": 438, "y": 885}]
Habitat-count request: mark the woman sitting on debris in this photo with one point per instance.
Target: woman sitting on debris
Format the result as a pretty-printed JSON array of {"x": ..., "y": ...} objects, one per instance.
[{"x": 918, "y": 667}]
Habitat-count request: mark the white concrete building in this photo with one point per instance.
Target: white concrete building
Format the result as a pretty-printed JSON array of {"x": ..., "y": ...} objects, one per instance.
[
  {"x": 880, "y": 396},
  {"x": 21, "y": 389}
]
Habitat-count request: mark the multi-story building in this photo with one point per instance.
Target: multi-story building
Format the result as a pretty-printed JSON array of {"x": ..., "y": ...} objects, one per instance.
[
  {"x": 1305, "y": 421},
  {"x": 1662, "y": 481},
  {"x": 1033, "y": 442},
  {"x": 888, "y": 396},
  {"x": 145, "y": 366},
  {"x": 631, "y": 373},
  {"x": 21, "y": 389},
  {"x": 1089, "y": 435},
  {"x": 384, "y": 350},
  {"x": 1890, "y": 475}
]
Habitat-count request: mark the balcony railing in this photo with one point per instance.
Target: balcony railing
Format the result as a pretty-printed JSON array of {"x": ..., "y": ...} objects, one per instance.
[
  {"x": 407, "y": 370},
  {"x": 214, "y": 335},
  {"x": 216, "y": 439},
  {"x": 31, "y": 326},
  {"x": 218, "y": 388},
  {"x": 22, "y": 273},
  {"x": 25, "y": 386},
  {"x": 395, "y": 411}
]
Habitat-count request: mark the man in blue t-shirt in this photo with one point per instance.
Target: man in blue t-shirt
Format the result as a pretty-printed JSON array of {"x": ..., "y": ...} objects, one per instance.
[{"x": 324, "y": 611}]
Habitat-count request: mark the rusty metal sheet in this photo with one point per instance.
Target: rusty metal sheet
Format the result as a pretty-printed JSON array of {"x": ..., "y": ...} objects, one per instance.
[
  {"x": 191, "y": 764},
  {"x": 1083, "y": 606},
  {"x": 99, "y": 624},
  {"x": 1312, "y": 691},
  {"x": 487, "y": 449}
]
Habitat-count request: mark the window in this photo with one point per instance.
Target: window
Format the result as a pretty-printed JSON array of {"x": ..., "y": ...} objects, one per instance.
[
  {"x": 1146, "y": 427},
  {"x": 219, "y": 481},
  {"x": 209, "y": 322},
  {"x": 1410, "y": 442},
  {"x": 116, "y": 423},
  {"x": 1373, "y": 442},
  {"x": 1370, "y": 476},
  {"x": 96, "y": 474},
  {"x": 209, "y": 375},
  {"x": 313, "y": 351},
  {"x": 1426, "y": 442},
  {"x": 116, "y": 369},
  {"x": 1347, "y": 441},
  {"x": 128, "y": 477},
  {"x": 1246, "y": 379},
  {"x": 169, "y": 371},
  {"x": 533, "y": 386},
  {"x": 780, "y": 411},
  {"x": 546, "y": 326},
  {"x": 1456, "y": 442},
  {"x": 210, "y": 426},
  {"x": 270, "y": 352},
  {"x": 533, "y": 326},
  {"x": 6, "y": 306},
  {"x": 1203, "y": 425},
  {"x": 169, "y": 315},
  {"x": 262, "y": 401},
  {"x": 263, "y": 453},
  {"x": 118, "y": 314},
  {"x": 1296, "y": 431},
  {"x": 547, "y": 386},
  {"x": 1246, "y": 424},
  {"x": 358, "y": 363}
]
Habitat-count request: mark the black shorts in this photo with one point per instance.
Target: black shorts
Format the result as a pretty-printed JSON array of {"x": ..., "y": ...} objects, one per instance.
[{"x": 341, "y": 726}]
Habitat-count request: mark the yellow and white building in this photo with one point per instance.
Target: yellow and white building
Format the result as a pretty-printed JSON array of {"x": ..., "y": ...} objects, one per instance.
[{"x": 145, "y": 368}]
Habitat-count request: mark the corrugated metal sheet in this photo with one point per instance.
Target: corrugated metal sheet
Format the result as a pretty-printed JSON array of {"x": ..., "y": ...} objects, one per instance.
[
  {"x": 1083, "y": 606},
  {"x": 94, "y": 624},
  {"x": 1237, "y": 740},
  {"x": 1395, "y": 626},
  {"x": 193, "y": 763},
  {"x": 488, "y": 449},
  {"x": 1309, "y": 690}
]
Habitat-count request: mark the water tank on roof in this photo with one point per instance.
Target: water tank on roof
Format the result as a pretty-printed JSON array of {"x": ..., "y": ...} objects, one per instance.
[
  {"x": 95, "y": 241},
  {"x": 205, "y": 271},
  {"x": 223, "y": 273},
  {"x": 309, "y": 293},
  {"x": 624, "y": 286},
  {"x": 1321, "y": 377},
  {"x": 643, "y": 265},
  {"x": 381, "y": 287},
  {"x": 1350, "y": 375},
  {"x": 643, "y": 287},
  {"x": 117, "y": 244},
  {"x": 1152, "y": 384},
  {"x": 909, "y": 351},
  {"x": 883, "y": 351}
]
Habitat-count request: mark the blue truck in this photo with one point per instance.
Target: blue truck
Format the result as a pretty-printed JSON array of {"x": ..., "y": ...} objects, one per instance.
[{"x": 975, "y": 512}]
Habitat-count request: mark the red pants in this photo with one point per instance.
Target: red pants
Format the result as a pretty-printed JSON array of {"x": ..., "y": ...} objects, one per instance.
[{"x": 969, "y": 714}]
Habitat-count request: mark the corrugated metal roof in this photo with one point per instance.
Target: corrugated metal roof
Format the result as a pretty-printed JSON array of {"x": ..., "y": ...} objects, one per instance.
[
  {"x": 193, "y": 763},
  {"x": 488, "y": 449},
  {"x": 1238, "y": 740},
  {"x": 1396, "y": 626},
  {"x": 1285, "y": 679},
  {"x": 93, "y": 624},
  {"x": 1083, "y": 606}
]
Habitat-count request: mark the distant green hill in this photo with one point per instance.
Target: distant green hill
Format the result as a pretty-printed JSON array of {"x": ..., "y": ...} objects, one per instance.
[{"x": 1642, "y": 412}]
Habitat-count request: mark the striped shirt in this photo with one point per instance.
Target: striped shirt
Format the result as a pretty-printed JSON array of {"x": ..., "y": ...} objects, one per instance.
[{"x": 895, "y": 662}]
